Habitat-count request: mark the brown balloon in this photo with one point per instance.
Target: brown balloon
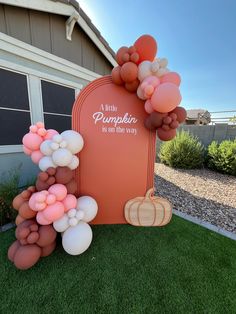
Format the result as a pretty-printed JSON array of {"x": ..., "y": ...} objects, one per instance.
[
  {"x": 166, "y": 135},
  {"x": 27, "y": 256},
  {"x": 119, "y": 55},
  {"x": 148, "y": 124},
  {"x": 129, "y": 72},
  {"x": 62, "y": 175},
  {"x": 32, "y": 242},
  {"x": 133, "y": 86},
  {"x": 21, "y": 204},
  {"x": 181, "y": 114},
  {"x": 157, "y": 118},
  {"x": 115, "y": 76}
]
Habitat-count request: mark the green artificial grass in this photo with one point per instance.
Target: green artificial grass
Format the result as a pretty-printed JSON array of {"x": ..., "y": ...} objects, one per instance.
[{"x": 179, "y": 268}]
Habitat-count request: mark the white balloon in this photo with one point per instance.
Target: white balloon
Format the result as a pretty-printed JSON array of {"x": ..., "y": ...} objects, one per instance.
[
  {"x": 162, "y": 71},
  {"x": 140, "y": 93},
  {"x": 62, "y": 157},
  {"x": 73, "y": 221},
  {"x": 45, "y": 148},
  {"x": 76, "y": 240},
  {"x": 45, "y": 163},
  {"x": 163, "y": 62},
  {"x": 88, "y": 206},
  {"x": 61, "y": 224},
  {"x": 57, "y": 138},
  {"x": 74, "y": 141},
  {"x": 144, "y": 70},
  {"x": 74, "y": 163}
]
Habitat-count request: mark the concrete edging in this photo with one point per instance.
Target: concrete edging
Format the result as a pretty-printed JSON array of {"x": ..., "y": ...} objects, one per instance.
[{"x": 205, "y": 224}]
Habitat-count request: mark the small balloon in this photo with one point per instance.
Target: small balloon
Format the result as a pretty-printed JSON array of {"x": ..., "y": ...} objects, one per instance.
[
  {"x": 181, "y": 114},
  {"x": 129, "y": 72},
  {"x": 166, "y": 135},
  {"x": 115, "y": 76},
  {"x": 171, "y": 77}
]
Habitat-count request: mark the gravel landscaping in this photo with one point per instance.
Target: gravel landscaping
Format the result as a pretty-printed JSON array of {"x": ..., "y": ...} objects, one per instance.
[{"x": 202, "y": 193}]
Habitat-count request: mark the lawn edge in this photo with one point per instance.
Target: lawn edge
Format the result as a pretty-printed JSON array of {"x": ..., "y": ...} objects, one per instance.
[{"x": 205, "y": 224}]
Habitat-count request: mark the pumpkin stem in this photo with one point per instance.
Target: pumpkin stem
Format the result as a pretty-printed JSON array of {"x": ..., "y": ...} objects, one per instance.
[{"x": 149, "y": 193}]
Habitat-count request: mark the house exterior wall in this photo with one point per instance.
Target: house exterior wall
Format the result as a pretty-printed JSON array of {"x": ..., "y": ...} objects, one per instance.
[{"x": 48, "y": 32}]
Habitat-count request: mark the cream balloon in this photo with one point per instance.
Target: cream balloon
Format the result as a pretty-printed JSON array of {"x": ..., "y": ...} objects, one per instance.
[
  {"x": 76, "y": 240},
  {"x": 74, "y": 141},
  {"x": 61, "y": 224},
  {"x": 45, "y": 163},
  {"x": 45, "y": 148},
  {"x": 144, "y": 70},
  {"x": 62, "y": 157},
  {"x": 88, "y": 206},
  {"x": 74, "y": 163}
]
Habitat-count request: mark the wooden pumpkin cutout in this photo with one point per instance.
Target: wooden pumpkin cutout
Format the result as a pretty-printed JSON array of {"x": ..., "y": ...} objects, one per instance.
[{"x": 148, "y": 211}]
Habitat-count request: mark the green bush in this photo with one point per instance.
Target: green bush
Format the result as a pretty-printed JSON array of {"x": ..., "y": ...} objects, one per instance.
[
  {"x": 9, "y": 188},
  {"x": 184, "y": 151},
  {"x": 222, "y": 157}
]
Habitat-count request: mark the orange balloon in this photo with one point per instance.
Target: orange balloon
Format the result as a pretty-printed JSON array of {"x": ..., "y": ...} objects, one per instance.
[
  {"x": 166, "y": 97},
  {"x": 129, "y": 72},
  {"x": 146, "y": 47},
  {"x": 120, "y": 53},
  {"x": 115, "y": 75},
  {"x": 133, "y": 86}
]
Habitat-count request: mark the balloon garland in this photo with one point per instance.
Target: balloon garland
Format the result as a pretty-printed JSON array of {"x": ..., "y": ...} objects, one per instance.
[
  {"x": 51, "y": 205},
  {"x": 139, "y": 71}
]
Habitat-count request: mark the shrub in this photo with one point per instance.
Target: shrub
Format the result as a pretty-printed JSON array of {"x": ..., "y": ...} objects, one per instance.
[
  {"x": 8, "y": 190},
  {"x": 222, "y": 157},
  {"x": 184, "y": 151}
]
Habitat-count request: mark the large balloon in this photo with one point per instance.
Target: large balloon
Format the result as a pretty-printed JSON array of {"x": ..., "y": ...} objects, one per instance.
[
  {"x": 166, "y": 97},
  {"x": 146, "y": 47},
  {"x": 76, "y": 240}
]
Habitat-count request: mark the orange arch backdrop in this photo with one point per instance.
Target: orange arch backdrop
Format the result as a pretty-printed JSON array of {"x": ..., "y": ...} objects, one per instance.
[{"x": 117, "y": 161}]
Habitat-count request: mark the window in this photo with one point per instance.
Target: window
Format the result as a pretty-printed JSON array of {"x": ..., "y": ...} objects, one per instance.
[
  {"x": 15, "y": 117},
  {"x": 57, "y": 105}
]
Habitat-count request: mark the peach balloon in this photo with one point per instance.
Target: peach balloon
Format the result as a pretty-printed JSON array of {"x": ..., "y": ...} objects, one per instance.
[
  {"x": 32, "y": 141},
  {"x": 54, "y": 211},
  {"x": 166, "y": 97},
  {"x": 146, "y": 47},
  {"x": 26, "y": 150},
  {"x": 129, "y": 72},
  {"x": 70, "y": 202},
  {"x": 36, "y": 156},
  {"x": 50, "y": 134},
  {"x": 59, "y": 190},
  {"x": 171, "y": 77},
  {"x": 42, "y": 220},
  {"x": 148, "y": 106}
]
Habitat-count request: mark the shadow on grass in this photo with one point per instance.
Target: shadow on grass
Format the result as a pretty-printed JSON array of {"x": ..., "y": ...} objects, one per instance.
[{"x": 208, "y": 210}]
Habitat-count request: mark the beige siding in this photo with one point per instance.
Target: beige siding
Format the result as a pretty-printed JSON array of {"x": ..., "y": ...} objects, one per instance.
[{"x": 47, "y": 32}]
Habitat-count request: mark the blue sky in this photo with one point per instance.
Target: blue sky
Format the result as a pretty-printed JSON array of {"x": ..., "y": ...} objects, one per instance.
[{"x": 198, "y": 37}]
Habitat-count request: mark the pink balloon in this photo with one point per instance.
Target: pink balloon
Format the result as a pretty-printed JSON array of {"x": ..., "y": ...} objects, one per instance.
[
  {"x": 59, "y": 190},
  {"x": 148, "y": 106},
  {"x": 32, "y": 201},
  {"x": 32, "y": 141},
  {"x": 166, "y": 97},
  {"x": 54, "y": 212},
  {"x": 26, "y": 150},
  {"x": 147, "y": 87},
  {"x": 36, "y": 156},
  {"x": 70, "y": 202},
  {"x": 171, "y": 77},
  {"x": 42, "y": 220},
  {"x": 50, "y": 134}
]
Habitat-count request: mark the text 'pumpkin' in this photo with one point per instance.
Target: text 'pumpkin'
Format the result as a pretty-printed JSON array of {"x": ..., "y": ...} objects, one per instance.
[{"x": 148, "y": 211}]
